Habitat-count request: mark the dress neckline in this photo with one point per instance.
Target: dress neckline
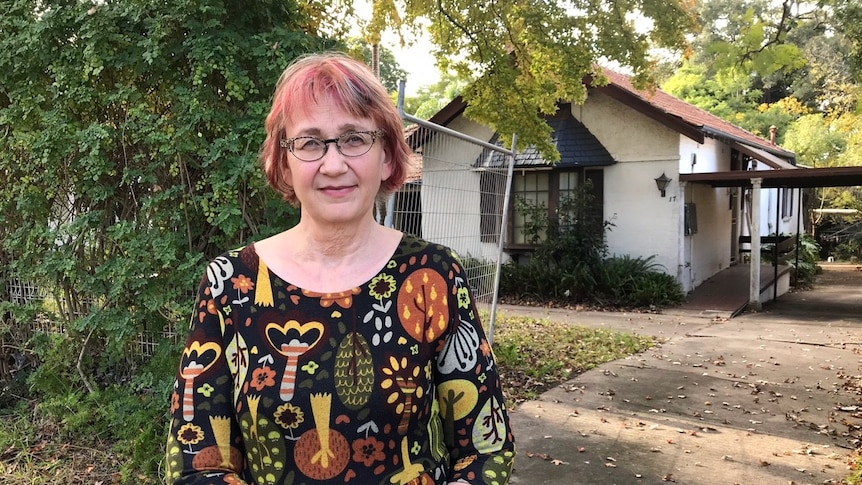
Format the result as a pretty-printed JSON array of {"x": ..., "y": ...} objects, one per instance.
[{"x": 288, "y": 282}]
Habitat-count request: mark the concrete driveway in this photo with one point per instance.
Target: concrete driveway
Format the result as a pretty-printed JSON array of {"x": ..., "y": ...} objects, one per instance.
[{"x": 766, "y": 398}]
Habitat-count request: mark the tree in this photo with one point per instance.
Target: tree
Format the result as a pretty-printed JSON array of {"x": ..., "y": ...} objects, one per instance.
[
  {"x": 130, "y": 132},
  {"x": 524, "y": 57},
  {"x": 390, "y": 72},
  {"x": 431, "y": 99}
]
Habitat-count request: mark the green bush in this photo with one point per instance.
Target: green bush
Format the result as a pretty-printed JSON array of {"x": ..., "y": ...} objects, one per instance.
[{"x": 849, "y": 251}]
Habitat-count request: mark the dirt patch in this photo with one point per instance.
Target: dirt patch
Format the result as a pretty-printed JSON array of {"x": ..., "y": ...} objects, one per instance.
[{"x": 840, "y": 274}]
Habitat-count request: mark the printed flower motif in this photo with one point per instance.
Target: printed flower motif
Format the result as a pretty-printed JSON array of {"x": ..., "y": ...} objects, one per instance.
[
  {"x": 289, "y": 416},
  {"x": 485, "y": 347},
  {"x": 382, "y": 286},
  {"x": 262, "y": 377},
  {"x": 463, "y": 298},
  {"x": 190, "y": 434},
  {"x": 175, "y": 401},
  {"x": 233, "y": 480},
  {"x": 368, "y": 450},
  {"x": 311, "y": 367},
  {"x": 242, "y": 283},
  {"x": 206, "y": 389}
]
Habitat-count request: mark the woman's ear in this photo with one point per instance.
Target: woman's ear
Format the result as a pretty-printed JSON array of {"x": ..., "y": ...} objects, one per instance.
[{"x": 387, "y": 167}]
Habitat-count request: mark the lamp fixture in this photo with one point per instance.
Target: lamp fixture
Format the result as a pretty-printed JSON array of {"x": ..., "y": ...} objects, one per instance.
[{"x": 661, "y": 182}]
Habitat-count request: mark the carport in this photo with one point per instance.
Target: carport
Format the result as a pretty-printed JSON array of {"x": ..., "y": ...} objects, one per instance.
[{"x": 782, "y": 175}]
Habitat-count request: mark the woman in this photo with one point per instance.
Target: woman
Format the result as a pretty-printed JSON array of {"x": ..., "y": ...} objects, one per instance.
[{"x": 338, "y": 351}]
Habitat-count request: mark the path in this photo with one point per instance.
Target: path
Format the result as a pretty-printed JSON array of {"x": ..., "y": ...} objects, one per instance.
[{"x": 766, "y": 398}]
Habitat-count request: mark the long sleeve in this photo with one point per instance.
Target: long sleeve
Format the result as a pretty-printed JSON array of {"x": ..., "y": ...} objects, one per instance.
[
  {"x": 473, "y": 407},
  {"x": 204, "y": 444}
]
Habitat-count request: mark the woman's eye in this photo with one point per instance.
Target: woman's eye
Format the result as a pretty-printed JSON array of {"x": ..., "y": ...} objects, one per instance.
[
  {"x": 307, "y": 144},
  {"x": 353, "y": 139}
]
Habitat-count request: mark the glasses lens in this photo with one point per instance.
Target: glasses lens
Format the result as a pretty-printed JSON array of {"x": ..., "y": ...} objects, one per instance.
[
  {"x": 308, "y": 148},
  {"x": 355, "y": 144}
]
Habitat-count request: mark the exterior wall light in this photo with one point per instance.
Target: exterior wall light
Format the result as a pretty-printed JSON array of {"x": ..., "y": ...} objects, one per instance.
[{"x": 661, "y": 182}]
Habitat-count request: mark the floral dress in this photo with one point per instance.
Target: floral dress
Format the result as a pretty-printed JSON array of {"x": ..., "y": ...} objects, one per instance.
[{"x": 392, "y": 382}]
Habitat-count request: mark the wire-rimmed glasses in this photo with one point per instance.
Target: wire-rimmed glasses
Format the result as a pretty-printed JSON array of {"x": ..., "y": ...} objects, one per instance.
[{"x": 350, "y": 144}]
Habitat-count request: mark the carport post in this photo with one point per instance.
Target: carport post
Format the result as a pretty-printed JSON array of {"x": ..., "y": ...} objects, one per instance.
[{"x": 754, "y": 278}]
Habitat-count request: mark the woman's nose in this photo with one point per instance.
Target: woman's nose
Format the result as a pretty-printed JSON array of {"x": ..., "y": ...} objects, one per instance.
[{"x": 333, "y": 161}]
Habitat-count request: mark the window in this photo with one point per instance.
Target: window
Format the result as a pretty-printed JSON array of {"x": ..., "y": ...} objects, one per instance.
[
  {"x": 786, "y": 203},
  {"x": 492, "y": 185},
  {"x": 542, "y": 196},
  {"x": 530, "y": 191}
]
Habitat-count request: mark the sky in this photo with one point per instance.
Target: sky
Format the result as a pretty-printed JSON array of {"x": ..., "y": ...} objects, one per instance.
[{"x": 416, "y": 59}]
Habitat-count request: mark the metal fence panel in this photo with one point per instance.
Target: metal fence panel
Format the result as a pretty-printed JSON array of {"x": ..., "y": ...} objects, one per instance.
[{"x": 460, "y": 200}]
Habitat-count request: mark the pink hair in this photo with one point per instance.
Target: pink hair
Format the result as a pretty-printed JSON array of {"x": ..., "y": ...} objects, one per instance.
[{"x": 355, "y": 89}]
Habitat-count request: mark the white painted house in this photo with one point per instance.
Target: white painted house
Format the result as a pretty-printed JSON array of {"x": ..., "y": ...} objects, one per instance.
[{"x": 621, "y": 139}]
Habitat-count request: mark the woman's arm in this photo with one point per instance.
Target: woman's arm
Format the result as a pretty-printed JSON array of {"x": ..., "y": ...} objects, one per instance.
[
  {"x": 471, "y": 398},
  {"x": 201, "y": 441}
]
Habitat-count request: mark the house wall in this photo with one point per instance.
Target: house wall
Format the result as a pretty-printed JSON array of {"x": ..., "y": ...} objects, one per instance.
[
  {"x": 450, "y": 192},
  {"x": 709, "y": 250},
  {"x": 644, "y": 149},
  {"x": 770, "y": 200},
  {"x": 645, "y": 224}
]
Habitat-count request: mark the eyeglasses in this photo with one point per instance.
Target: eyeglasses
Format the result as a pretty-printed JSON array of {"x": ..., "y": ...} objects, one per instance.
[{"x": 312, "y": 148}]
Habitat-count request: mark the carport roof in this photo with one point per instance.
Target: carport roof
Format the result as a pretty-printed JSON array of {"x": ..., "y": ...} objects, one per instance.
[{"x": 793, "y": 178}]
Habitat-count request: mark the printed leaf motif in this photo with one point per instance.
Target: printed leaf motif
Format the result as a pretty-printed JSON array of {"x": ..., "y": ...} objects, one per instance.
[
  {"x": 461, "y": 350},
  {"x": 219, "y": 271},
  {"x": 489, "y": 431},
  {"x": 238, "y": 362},
  {"x": 354, "y": 371}
]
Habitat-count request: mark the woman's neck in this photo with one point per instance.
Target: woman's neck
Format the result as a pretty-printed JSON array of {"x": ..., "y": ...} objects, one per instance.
[{"x": 331, "y": 244}]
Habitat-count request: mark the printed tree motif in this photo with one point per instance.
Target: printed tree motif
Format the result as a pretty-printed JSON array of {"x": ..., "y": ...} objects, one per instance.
[
  {"x": 197, "y": 358},
  {"x": 401, "y": 381},
  {"x": 292, "y": 340},
  {"x": 411, "y": 470},
  {"x": 423, "y": 305},
  {"x": 323, "y": 452},
  {"x": 458, "y": 398}
]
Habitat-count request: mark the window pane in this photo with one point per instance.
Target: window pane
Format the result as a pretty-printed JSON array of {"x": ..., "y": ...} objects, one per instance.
[{"x": 531, "y": 199}]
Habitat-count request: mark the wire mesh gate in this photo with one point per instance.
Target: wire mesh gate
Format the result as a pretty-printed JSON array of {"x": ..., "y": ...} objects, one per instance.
[{"x": 457, "y": 199}]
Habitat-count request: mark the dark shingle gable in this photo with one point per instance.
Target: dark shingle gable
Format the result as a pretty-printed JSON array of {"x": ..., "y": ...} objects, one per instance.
[{"x": 577, "y": 146}]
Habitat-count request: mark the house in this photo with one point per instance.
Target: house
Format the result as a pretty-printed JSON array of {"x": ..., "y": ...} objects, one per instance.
[{"x": 626, "y": 141}]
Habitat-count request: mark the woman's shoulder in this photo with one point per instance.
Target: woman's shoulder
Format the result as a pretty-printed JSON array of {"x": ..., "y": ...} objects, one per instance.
[{"x": 412, "y": 245}]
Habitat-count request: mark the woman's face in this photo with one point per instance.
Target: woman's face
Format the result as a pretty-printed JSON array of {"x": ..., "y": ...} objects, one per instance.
[{"x": 335, "y": 189}]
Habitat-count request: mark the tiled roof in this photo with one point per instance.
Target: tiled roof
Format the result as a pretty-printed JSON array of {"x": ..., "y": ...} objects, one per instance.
[
  {"x": 414, "y": 170},
  {"x": 704, "y": 121},
  {"x": 665, "y": 108}
]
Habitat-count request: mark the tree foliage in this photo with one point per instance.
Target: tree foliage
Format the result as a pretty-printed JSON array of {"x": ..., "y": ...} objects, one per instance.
[
  {"x": 431, "y": 99},
  {"x": 130, "y": 132},
  {"x": 523, "y": 57}
]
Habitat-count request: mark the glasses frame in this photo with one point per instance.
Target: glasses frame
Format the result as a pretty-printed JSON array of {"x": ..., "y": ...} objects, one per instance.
[{"x": 289, "y": 143}]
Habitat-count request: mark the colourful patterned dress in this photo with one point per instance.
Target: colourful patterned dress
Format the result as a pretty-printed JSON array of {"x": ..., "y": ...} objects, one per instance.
[{"x": 392, "y": 382}]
